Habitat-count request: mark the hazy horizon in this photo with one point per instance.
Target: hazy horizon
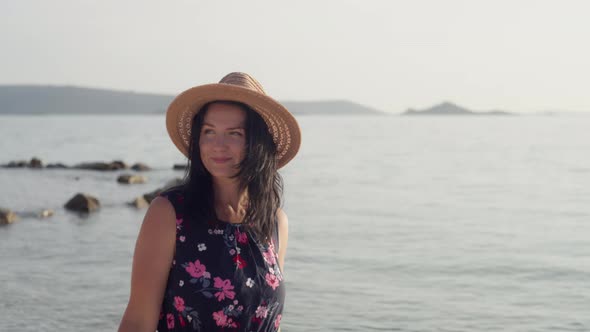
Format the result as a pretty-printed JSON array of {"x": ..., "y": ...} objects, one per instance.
[{"x": 525, "y": 56}]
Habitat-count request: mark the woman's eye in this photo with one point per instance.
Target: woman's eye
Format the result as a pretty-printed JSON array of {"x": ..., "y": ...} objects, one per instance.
[
  {"x": 207, "y": 131},
  {"x": 235, "y": 133}
]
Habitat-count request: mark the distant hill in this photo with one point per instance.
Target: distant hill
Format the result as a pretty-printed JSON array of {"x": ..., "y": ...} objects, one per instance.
[
  {"x": 36, "y": 99},
  {"x": 31, "y": 99},
  {"x": 447, "y": 108},
  {"x": 328, "y": 107}
]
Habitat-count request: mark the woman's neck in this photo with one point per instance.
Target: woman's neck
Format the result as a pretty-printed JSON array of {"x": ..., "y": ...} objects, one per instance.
[{"x": 227, "y": 193}]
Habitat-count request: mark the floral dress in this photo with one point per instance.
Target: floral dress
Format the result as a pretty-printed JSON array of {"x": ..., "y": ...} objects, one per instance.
[{"x": 221, "y": 279}]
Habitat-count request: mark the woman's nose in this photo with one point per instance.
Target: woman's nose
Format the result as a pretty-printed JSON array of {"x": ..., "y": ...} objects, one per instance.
[{"x": 219, "y": 141}]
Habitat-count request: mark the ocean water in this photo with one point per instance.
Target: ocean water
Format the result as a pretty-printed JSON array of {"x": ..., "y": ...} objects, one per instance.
[{"x": 396, "y": 223}]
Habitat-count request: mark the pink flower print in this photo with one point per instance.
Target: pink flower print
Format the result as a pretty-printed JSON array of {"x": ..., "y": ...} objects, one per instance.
[
  {"x": 226, "y": 289},
  {"x": 178, "y": 221},
  {"x": 182, "y": 323},
  {"x": 278, "y": 321},
  {"x": 232, "y": 251},
  {"x": 272, "y": 280},
  {"x": 179, "y": 303},
  {"x": 220, "y": 318},
  {"x": 182, "y": 238},
  {"x": 261, "y": 312},
  {"x": 240, "y": 262},
  {"x": 240, "y": 308},
  {"x": 196, "y": 270},
  {"x": 170, "y": 321},
  {"x": 207, "y": 275},
  {"x": 269, "y": 257},
  {"x": 242, "y": 237}
]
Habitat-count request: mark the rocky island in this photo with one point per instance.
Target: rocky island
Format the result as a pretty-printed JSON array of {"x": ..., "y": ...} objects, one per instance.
[{"x": 448, "y": 108}]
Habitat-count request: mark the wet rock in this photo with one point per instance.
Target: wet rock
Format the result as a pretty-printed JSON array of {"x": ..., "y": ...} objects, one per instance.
[
  {"x": 46, "y": 213},
  {"x": 140, "y": 167},
  {"x": 131, "y": 179},
  {"x": 140, "y": 202},
  {"x": 57, "y": 165},
  {"x": 82, "y": 203},
  {"x": 149, "y": 197},
  {"x": 179, "y": 167},
  {"x": 7, "y": 217},
  {"x": 33, "y": 163},
  {"x": 36, "y": 163},
  {"x": 16, "y": 164},
  {"x": 102, "y": 166},
  {"x": 119, "y": 164}
]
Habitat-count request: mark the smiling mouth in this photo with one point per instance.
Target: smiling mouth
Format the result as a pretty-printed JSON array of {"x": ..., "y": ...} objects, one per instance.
[{"x": 221, "y": 160}]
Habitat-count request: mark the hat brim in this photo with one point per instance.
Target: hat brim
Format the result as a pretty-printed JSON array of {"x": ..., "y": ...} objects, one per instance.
[{"x": 281, "y": 123}]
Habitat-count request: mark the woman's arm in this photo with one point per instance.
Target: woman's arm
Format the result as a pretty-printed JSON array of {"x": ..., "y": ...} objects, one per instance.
[
  {"x": 154, "y": 251},
  {"x": 283, "y": 237}
]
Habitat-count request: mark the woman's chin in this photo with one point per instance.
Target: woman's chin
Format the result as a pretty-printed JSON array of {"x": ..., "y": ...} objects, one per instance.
[{"x": 223, "y": 173}]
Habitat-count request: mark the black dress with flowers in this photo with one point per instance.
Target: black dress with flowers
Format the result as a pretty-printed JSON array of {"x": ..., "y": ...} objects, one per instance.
[{"x": 221, "y": 279}]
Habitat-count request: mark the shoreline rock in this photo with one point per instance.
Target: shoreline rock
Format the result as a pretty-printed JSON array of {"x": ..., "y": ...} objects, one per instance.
[
  {"x": 131, "y": 179},
  {"x": 141, "y": 167},
  {"x": 147, "y": 198},
  {"x": 7, "y": 217},
  {"x": 82, "y": 203},
  {"x": 179, "y": 167},
  {"x": 102, "y": 166}
]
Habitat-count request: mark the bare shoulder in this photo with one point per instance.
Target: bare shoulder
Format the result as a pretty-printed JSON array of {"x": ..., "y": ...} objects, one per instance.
[
  {"x": 161, "y": 207},
  {"x": 283, "y": 232},
  {"x": 159, "y": 223},
  {"x": 282, "y": 217}
]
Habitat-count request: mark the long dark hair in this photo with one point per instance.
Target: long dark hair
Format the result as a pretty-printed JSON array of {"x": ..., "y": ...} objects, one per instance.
[{"x": 257, "y": 175}]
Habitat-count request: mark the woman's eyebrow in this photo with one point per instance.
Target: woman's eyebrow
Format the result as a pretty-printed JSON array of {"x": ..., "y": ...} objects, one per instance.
[{"x": 232, "y": 128}]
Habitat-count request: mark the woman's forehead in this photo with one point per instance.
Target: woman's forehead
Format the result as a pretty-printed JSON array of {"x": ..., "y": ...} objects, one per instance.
[{"x": 225, "y": 115}]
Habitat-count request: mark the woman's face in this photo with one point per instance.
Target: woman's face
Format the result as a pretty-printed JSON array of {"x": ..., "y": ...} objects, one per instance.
[{"x": 223, "y": 139}]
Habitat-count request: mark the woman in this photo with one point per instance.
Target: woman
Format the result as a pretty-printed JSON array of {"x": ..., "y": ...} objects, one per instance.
[{"x": 210, "y": 253}]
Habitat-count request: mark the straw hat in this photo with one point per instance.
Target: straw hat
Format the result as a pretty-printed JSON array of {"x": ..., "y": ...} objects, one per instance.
[{"x": 239, "y": 87}]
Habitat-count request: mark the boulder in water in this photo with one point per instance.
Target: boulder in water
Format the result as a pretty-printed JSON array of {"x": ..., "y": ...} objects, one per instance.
[
  {"x": 35, "y": 163},
  {"x": 45, "y": 213},
  {"x": 140, "y": 167},
  {"x": 82, "y": 203},
  {"x": 149, "y": 197},
  {"x": 179, "y": 167},
  {"x": 57, "y": 165},
  {"x": 102, "y": 166},
  {"x": 16, "y": 164},
  {"x": 140, "y": 202},
  {"x": 7, "y": 217},
  {"x": 131, "y": 179}
]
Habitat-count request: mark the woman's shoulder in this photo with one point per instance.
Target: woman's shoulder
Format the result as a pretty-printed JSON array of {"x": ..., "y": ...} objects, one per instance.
[{"x": 175, "y": 195}]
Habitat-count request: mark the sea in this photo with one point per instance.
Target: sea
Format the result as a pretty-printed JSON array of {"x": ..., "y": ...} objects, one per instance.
[{"x": 396, "y": 223}]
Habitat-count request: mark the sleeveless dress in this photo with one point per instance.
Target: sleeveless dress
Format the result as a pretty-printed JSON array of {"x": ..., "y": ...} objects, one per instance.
[{"x": 221, "y": 278}]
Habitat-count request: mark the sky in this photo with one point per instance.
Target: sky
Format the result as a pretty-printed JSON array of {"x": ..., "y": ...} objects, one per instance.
[{"x": 517, "y": 55}]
